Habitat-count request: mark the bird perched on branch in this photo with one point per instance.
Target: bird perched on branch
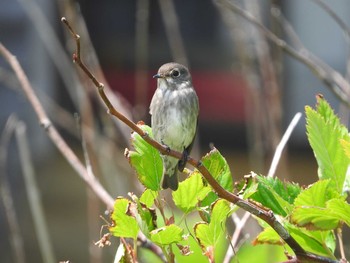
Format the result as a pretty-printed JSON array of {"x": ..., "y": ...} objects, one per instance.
[{"x": 174, "y": 109}]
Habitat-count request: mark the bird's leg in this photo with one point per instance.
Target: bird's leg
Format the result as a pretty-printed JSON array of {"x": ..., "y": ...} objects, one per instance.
[{"x": 182, "y": 162}]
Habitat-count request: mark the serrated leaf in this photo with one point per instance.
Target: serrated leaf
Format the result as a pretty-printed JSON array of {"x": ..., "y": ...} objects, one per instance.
[
  {"x": 274, "y": 194},
  {"x": 314, "y": 218},
  {"x": 218, "y": 168},
  {"x": 326, "y": 218},
  {"x": 311, "y": 208},
  {"x": 124, "y": 225},
  {"x": 324, "y": 133},
  {"x": 148, "y": 196},
  {"x": 146, "y": 217},
  {"x": 340, "y": 209},
  {"x": 316, "y": 195},
  {"x": 146, "y": 160},
  {"x": 319, "y": 242},
  {"x": 313, "y": 241},
  {"x": 166, "y": 235},
  {"x": 209, "y": 234},
  {"x": 326, "y": 111},
  {"x": 190, "y": 192},
  {"x": 204, "y": 235},
  {"x": 268, "y": 236}
]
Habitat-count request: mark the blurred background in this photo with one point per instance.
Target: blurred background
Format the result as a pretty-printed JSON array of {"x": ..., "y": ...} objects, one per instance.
[{"x": 248, "y": 88}]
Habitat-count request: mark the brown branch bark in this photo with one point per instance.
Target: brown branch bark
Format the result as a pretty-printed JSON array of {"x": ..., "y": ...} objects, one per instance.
[{"x": 252, "y": 208}]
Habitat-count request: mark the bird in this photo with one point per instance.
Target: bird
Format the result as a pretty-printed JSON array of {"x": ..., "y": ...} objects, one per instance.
[{"x": 174, "y": 113}]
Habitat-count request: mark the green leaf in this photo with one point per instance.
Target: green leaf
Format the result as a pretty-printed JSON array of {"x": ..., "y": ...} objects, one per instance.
[
  {"x": 335, "y": 211},
  {"x": 146, "y": 217},
  {"x": 314, "y": 218},
  {"x": 340, "y": 209},
  {"x": 218, "y": 168},
  {"x": 208, "y": 234},
  {"x": 346, "y": 147},
  {"x": 145, "y": 160},
  {"x": 316, "y": 194},
  {"x": 274, "y": 194},
  {"x": 166, "y": 235},
  {"x": 124, "y": 225},
  {"x": 268, "y": 236},
  {"x": 148, "y": 197},
  {"x": 324, "y": 133},
  {"x": 190, "y": 192},
  {"x": 318, "y": 242},
  {"x": 209, "y": 199},
  {"x": 311, "y": 207}
]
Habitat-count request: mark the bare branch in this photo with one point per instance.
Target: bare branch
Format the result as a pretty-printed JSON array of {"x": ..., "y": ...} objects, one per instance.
[
  {"x": 341, "y": 243},
  {"x": 52, "y": 132},
  {"x": 33, "y": 195},
  {"x": 173, "y": 31},
  {"x": 282, "y": 144},
  {"x": 240, "y": 224},
  {"x": 15, "y": 237},
  {"x": 330, "y": 77}
]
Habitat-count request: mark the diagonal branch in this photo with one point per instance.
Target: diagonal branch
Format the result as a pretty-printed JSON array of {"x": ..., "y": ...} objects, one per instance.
[
  {"x": 252, "y": 208},
  {"x": 336, "y": 83},
  {"x": 51, "y": 131}
]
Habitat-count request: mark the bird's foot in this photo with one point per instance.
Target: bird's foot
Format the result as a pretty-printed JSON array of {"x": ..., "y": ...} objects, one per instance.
[
  {"x": 182, "y": 162},
  {"x": 167, "y": 148}
]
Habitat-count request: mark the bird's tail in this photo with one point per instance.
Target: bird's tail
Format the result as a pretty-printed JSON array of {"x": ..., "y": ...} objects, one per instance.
[{"x": 170, "y": 181}]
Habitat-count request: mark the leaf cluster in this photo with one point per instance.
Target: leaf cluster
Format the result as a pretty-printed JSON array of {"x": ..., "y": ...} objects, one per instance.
[{"x": 310, "y": 214}]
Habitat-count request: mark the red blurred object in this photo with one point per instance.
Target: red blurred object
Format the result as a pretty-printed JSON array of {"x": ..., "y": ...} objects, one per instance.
[{"x": 221, "y": 94}]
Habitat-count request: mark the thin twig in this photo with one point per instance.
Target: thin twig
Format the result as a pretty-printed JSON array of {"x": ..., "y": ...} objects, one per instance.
[
  {"x": 15, "y": 237},
  {"x": 53, "y": 46},
  {"x": 141, "y": 55},
  {"x": 33, "y": 195},
  {"x": 145, "y": 243},
  {"x": 70, "y": 9},
  {"x": 341, "y": 244},
  {"x": 253, "y": 208},
  {"x": 240, "y": 224},
  {"x": 282, "y": 144},
  {"x": 173, "y": 31},
  {"x": 53, "y": 133},
  {"x": 93, "y": 205},
  {"x": 343, "y": 111}
]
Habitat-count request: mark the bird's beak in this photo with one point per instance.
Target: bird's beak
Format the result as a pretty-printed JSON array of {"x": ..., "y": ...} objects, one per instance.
[{"x": 157, "y": 76}]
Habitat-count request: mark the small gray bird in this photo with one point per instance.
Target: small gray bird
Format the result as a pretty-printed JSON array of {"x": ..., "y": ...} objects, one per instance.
[{"x": 174, "y": 109}]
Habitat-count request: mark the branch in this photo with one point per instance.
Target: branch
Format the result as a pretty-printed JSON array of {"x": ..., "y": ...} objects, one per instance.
[
  {"x": 252, "y": 208},
  {"x": 14, "y": 236},
  {"x": 34, "y": 199},
  {"x": 330, "y": 77},
  {"x": 52, "y": 132},
  {"x": 282, "y": 143}
]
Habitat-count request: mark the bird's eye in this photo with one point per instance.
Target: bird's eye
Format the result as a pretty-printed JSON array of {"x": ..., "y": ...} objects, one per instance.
[{"x": 175, "y": 73}]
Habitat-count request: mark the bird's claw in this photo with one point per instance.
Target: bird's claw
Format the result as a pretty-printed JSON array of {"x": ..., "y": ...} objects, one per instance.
[
  {"x": 167, "y": 148},
  {"x": 182, "y": 162}
]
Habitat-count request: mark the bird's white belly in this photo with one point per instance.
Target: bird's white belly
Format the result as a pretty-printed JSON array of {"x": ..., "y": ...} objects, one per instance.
[{"x": 176, "y": 136}]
